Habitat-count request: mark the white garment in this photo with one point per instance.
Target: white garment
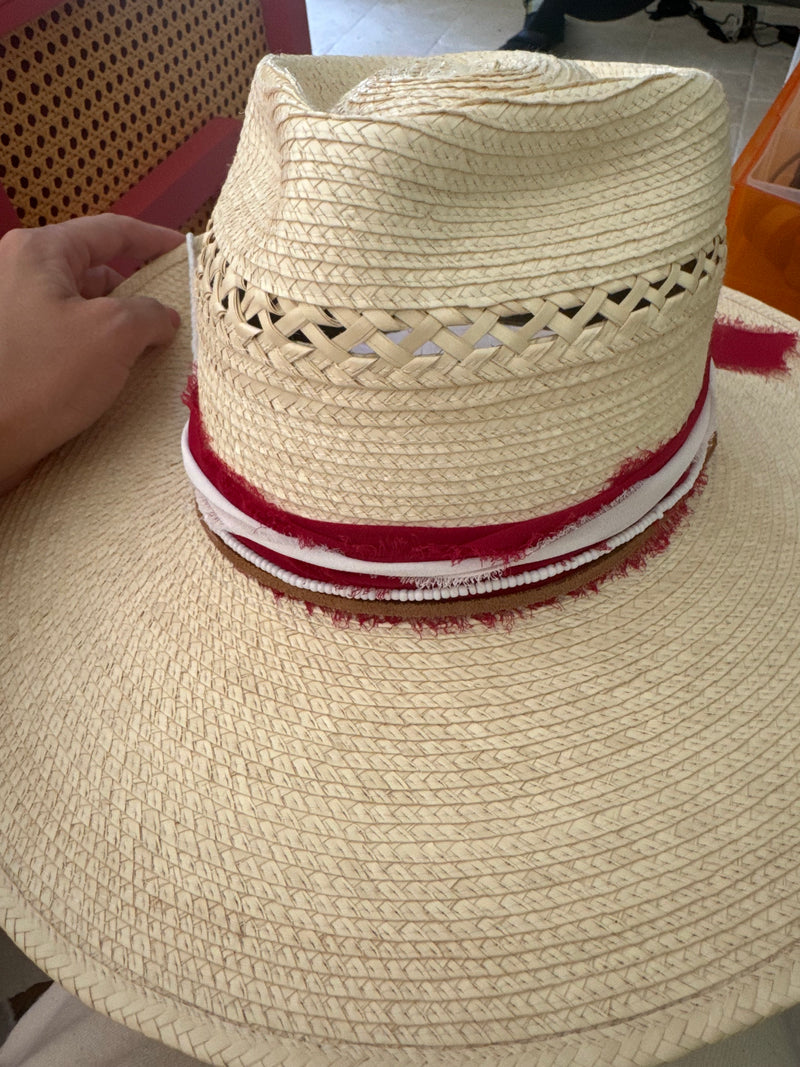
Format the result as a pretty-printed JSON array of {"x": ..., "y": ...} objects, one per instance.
[{"x": 59, "y": 1031}]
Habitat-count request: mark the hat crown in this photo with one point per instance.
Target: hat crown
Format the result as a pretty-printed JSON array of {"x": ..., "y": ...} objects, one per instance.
[
  {"x": 441, "y": 359},
  {"x": 469, "y": 179}
]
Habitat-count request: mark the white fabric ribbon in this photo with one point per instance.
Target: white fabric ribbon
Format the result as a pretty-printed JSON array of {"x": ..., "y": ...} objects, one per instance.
[{"x": 582, "y": 543}]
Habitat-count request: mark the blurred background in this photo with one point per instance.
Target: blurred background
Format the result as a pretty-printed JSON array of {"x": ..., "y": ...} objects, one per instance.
[{"x": 751, "y": 74}]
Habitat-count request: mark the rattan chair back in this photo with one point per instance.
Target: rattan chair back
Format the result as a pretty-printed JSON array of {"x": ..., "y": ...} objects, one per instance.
[{"x": 96, "y": 93}]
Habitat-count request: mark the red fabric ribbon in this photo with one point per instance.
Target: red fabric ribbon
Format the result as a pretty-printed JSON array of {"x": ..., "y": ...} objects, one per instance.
[
  {"x": 735, "y": 346},
  {"x": 501, "y": 543}
]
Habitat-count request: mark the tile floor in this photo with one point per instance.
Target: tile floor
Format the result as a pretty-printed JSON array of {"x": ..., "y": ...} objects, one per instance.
[{"x": 751, "y": 75}]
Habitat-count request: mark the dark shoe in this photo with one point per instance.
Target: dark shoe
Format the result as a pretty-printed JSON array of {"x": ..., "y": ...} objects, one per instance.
[
  {"x": 530, "y": 41},
  {"x": 533, "y": 38}
]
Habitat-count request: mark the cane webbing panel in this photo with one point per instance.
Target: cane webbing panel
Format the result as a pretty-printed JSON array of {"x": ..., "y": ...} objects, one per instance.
[{"x": 98, "y": 92}]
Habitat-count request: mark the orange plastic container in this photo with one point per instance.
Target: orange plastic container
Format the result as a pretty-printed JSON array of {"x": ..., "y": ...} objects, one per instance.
[{"x": 764, "y": 212}]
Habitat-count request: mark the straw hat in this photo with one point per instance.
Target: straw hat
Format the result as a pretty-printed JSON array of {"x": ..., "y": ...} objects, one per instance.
[{"x": 451, "y": 323}]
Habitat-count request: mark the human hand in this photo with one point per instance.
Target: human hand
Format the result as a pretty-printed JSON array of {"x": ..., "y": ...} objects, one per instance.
[{"x": 66, "y": 345}]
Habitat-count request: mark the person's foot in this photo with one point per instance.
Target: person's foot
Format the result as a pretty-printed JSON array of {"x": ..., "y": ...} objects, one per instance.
[{"x": 533, "y": 38}]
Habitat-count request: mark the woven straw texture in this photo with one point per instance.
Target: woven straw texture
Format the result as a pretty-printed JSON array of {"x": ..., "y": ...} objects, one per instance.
[
  {"x": 445, "y": 355},
  {"x": 94, "y": 95},
  {"x": 535, "y": 175},
  {"x": 267, "y": 839},
  {"x": 485, "y": 415}
]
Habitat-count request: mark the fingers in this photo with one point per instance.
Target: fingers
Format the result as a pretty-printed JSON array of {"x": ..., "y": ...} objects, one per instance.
[
  {"x": 137, "y": 323},
  {"x": 66, "y": 345},
  {"x": 63, "y": 259},
  {"x": 99, "y": 281},
  {"x": 97, "y": 239}
]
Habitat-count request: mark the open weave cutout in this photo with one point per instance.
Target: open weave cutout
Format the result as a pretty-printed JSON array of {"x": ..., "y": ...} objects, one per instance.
[
  {"x": 372, "y": 347},
  {"x": 95, "y": 95}
]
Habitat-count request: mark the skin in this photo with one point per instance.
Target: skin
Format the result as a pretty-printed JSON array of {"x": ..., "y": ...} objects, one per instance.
[{"x": 67, "y": 345}]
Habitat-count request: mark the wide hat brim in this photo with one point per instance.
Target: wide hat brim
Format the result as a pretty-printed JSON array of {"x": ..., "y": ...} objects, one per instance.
[{"x": 262, "y": 836}]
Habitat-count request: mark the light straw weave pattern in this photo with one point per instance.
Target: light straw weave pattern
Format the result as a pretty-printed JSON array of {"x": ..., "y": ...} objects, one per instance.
[
  {"x": 459, "y": 290},
  {"x": 468, "y": 180},
  {"x": 455, "y": 427},
  {"x": 573, "y": 843},
  {"x": 270, "y": 838}
]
